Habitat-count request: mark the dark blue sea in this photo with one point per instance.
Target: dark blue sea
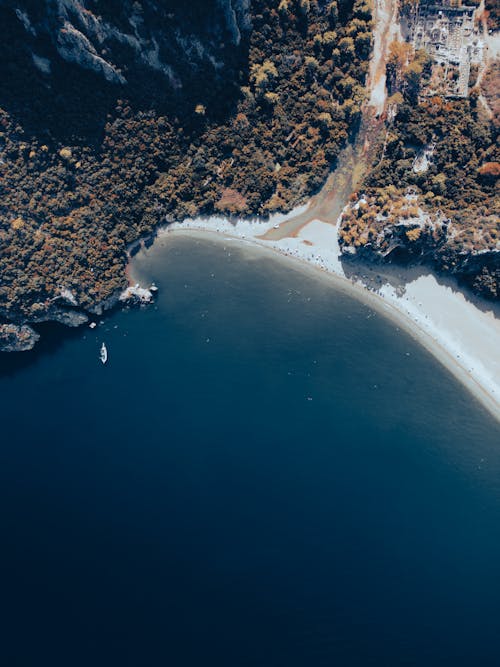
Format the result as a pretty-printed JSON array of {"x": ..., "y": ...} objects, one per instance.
[{"x": 267, "y": 473}]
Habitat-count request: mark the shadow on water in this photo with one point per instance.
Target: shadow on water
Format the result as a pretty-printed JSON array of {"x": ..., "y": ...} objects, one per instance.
[{"x": 53, "y": 337}]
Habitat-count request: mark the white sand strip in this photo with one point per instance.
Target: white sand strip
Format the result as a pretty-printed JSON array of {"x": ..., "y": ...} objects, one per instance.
[
  {"x": 463, "y": 336},
  {"x": 468, "y": 337}
]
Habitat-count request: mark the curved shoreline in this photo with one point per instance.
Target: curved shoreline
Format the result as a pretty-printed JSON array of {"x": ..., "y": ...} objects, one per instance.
[
  {"x": 462, "y": 332},
  {"x": 463, "y": 354}
]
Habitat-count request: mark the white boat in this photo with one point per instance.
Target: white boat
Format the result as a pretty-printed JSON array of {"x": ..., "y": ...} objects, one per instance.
[{"x": 104, "y": 353}]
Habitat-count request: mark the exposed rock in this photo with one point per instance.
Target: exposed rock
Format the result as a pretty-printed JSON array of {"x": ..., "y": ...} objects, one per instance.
[
  {"x": 74, "y": 47},
  {"x": 114, "y": 40},
  {"x": 236, "y": 13},
  {"x": 137, "y": 294},
  {"x": 106, "y": 304},
  {"x": 68, "y": 296},
  {"x": 479, "y": 270},
  {"x": 403, "y": 231},
  {"x": 423, "y": 159},
  {"x": 17, "y": 338},
  {"x": 70, "y": 318},
  {"x": 42, "y": 64}
]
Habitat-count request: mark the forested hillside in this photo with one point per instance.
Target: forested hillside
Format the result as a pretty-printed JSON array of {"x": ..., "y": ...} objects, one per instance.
[
  {"x": 432, "y": 193},
  {"x": 244, "y": 116}
]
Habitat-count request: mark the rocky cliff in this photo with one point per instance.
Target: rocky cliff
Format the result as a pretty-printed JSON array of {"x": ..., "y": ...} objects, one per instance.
[
  {"x": 73, "y": 73},
  {"x": 390, "y": 226},
  {"x": 116, "y": 116},
  {"x": 120, "y": 40}
]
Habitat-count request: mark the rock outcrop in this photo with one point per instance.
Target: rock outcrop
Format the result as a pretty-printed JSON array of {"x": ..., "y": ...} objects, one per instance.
[
  {"x": 65, "y": 65},
  {"x": 381, "y": 229},
  {"x": 17, "y": 338},
  {"x": 116, "y": 41}
]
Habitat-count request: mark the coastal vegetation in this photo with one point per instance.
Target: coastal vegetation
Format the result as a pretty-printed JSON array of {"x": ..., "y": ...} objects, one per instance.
[
  {"x": 432, "y": 191},
  {"x": 492, "y": 9},
  {"x": 87, "y": 166},
  {"x": 245, "y": 118}
]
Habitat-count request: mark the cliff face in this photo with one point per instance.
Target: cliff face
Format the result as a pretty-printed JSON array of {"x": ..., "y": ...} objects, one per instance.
[
  {"x": 119, "y": 40},
  {"x": 81, "y": 78},
  {"x": 117, "y": 115},
  {"x": 387, "y": 226}
]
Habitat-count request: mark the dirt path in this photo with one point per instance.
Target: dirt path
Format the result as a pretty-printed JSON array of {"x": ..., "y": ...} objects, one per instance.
[
  {"x": 386, "y": 30},
  {"x": 355, "y": 158}
]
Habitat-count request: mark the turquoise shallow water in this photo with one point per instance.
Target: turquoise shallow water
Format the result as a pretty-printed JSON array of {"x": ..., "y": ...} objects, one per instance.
[{"x": 266, "y": 473}]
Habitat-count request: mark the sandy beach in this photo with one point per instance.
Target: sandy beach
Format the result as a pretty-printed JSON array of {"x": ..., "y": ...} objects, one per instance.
[{"x": 462, "y": 331}]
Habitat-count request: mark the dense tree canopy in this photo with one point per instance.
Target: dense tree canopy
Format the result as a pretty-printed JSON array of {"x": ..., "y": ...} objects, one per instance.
[{"x": 87, "y": 168}]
